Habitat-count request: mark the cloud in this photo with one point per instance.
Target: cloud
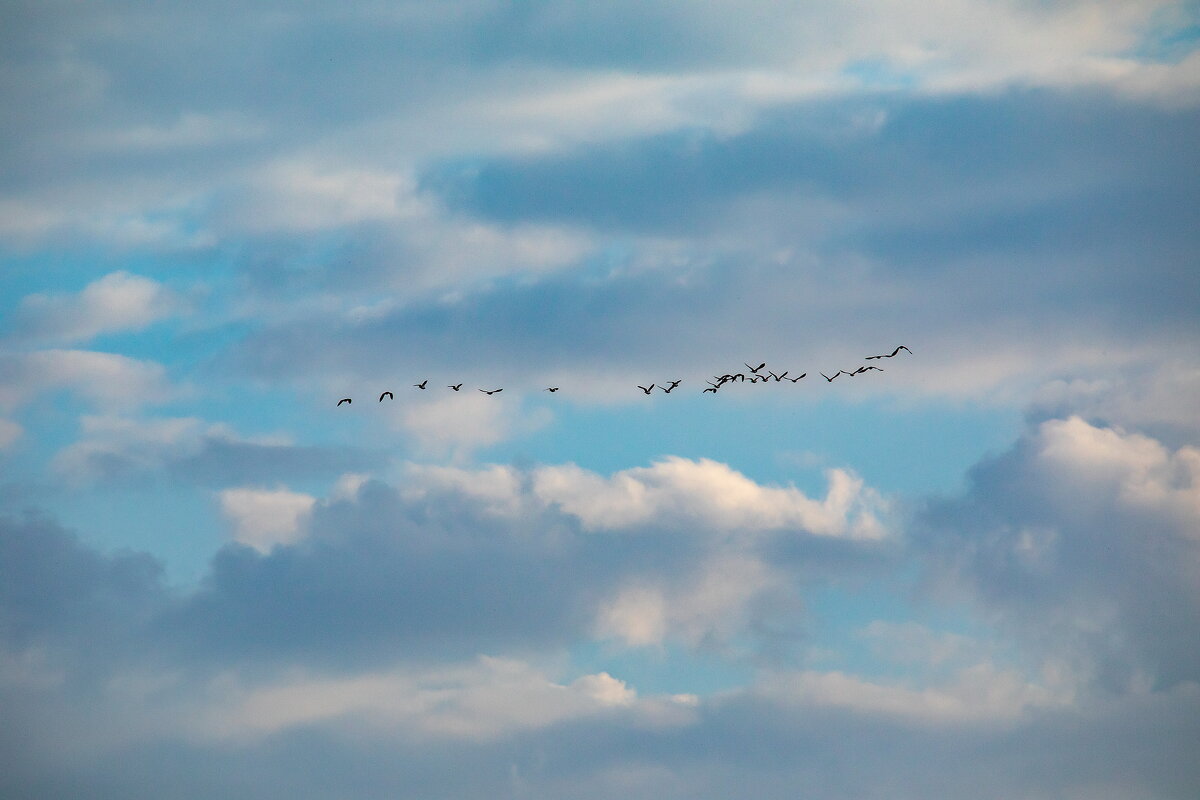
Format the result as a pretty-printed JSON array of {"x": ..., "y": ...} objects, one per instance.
[
  {"x": 981, "y": 693},
  {"x": 1081, "y": 541},
  {"x": 112, "y": 449},
  {"x": 263, "y": 518},
  {"x": 485, "y": 699},
  {"x": 109, "y": 380},
  {"x": 468, "y": 420},
  {"x": 709, "y": 607},
  {"x": 117, "y": 302},
  {"x": 708, "y": 494},
  {"x": 409, "y": 620},
  {"x": 838, "y": 223}
]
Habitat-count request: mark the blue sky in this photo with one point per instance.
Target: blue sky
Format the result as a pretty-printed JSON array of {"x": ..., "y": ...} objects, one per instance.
[{"x": 975, "y": 574}]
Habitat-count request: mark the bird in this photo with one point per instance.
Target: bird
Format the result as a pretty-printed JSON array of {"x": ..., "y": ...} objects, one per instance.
[
  {"x": 455, "y": 387},
  {"x": 893, "y": 353},
  {"x": 861, "y": 370},
  {"x": 793, "y": 380},
  {"x": 712, "y": 389},
  {"x": 839, "y": 372},
  {"x": 667, "y": 389},
  {"x": 551, "y": 388},
  {"x": 345, "y": 400},
  {"x": 421, "y": 385},
  {"x": 777, "y": 378},
  {"x": 755, "y": 369},
  {"x": 388, "y": 395},
  {"x": 645, "y": 389},
  {"x": 493, "y": 391}
]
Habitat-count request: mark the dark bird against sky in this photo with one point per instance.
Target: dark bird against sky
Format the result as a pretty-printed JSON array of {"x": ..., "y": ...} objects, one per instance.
[{"x": 893, "y": 353}]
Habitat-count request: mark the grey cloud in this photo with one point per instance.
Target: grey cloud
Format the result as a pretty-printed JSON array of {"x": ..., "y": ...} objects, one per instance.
[
  {"x": 59, "y": 596},
  {"x": 1059, "y": 542},
  {"x": 438, "y": 576},
  {"x": 978, "y": 227},
  {"x": 229, "y": 462}
]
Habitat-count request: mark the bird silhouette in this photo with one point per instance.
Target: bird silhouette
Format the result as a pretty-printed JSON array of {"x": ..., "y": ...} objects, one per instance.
[
  {"x": 388, "y": 395},
  {"x": 861, "y": 370},
  {"x": 712, "y": 389},
  {"x": 345, "y": 400},
  {"x": 455, "y": 387},
  {"x": 551, "y": 388},
  {"x": 492, "y": 392},
  {"x": 645, "y": 389},
  {"x": 893, "y": 353},
  {"x": 839, "y": 372},
  {"x": 755, "y": 369},
  {"x": 421, "y": 385},
  {"x": 667, "y": 389},
  {"x": 778, "y": 378},
  {"x": 793, "y": 380}
]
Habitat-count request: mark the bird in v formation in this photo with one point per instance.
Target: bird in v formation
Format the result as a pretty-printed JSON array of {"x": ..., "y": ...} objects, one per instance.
[{"x": 737, "y": 377}]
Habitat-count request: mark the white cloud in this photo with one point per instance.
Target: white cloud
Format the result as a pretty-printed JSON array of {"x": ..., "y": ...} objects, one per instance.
[
  {"x": 110, "y": 444},
  {"x": 189, "y": 131},
  {"x": 263, "y": 518},
  {"x": 914, "y": 643},
  {"x": 483, "y": 700},
  {"x": 708, "y": 606},
  {"x": 107, "y": 379},
  {"x": 710, "y": 495},
  {"x": 704, "y": 494},
  {"x": 1127, "y": 469},
  {"x": 978, "y": 694},
  {"x": 1164, "y": 394},
  {"x": 116, "y": 302},
  {"x": 457, "y": 424}
]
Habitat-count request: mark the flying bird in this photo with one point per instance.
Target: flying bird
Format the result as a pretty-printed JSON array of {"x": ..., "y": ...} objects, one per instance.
[
  {"x": 645, "y": 389},
  {"x": 455, "y": 387},
  {"x": 492, "y": 392},
  {"x": 551, "y": 388},
  {"x": 839, "y": 372},
  {"x": 861, "y": 370},
  {"x": 778, "y": 378},
  {"x": 712, "y": 389},
  {"x": 388, "y": 395},
  {"x": 345, "y": 400},
  {"x": 421, "y": 385},
  {"x": 755, "y": 369},
  {"x": 668, "y": 389},
  {"x": 793, "y": 380},
  {"x": 893, "y": 353}
]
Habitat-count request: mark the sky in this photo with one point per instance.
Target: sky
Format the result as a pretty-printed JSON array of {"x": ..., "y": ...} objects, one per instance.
[{"x": 973, "y": 573}]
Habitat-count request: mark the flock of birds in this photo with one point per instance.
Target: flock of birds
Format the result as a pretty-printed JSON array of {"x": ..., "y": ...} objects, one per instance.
[{"x": 754, "y": 375}]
